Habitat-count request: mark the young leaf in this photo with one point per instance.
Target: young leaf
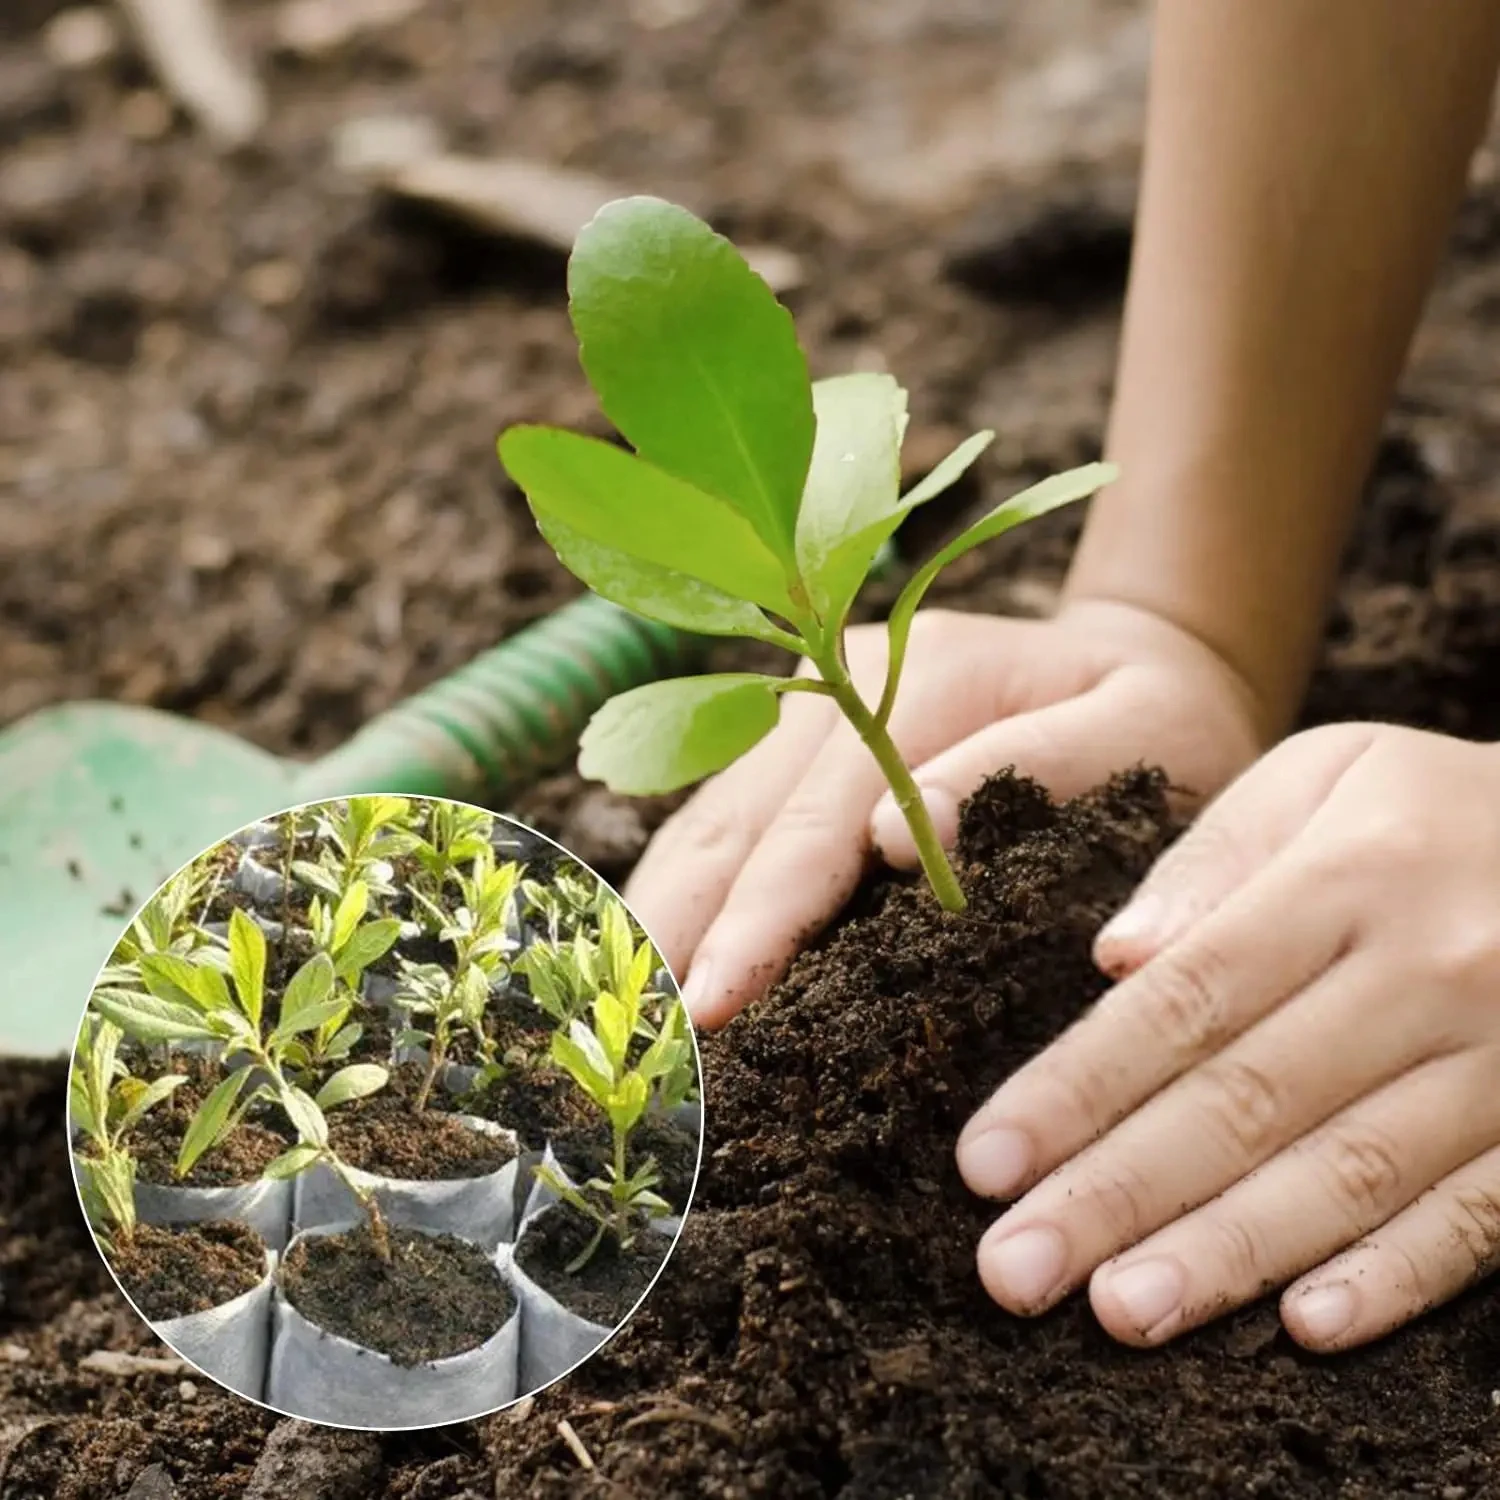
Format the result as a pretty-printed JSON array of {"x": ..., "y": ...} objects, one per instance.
[
  {"x": 694, "y": 360},
  {"x": 1051, "y": 494},
  {"x": 308, "y": 1018},
  {"x": 309, "y": 986},
  {"x": 307, "y": 1119},
  {"x": 341, "y": 1044},
  {"x": 612, "y": 1027},
  {"x": 614, "y": 497},
  {"x": 147, "y": 1097},
  {"x": 148, "y": 1019},
  {"x": 668, "y": 734},
  {"x": 373, "y": 940},
  {"x": 353, "y": 1082},
  {"x": 213, "y": 1116},
  {"x": 290, "y": 1163},
  {"x": 627, "y": 1103},
  {"x": 349, "y": 914},
  {"x": 658, "y": 593},
  {"x": 247, "y": 964},
  {"x": 849, "y": 506},
  {"x": 180, "y": 981},
  {"x": 948, "y": 472}
]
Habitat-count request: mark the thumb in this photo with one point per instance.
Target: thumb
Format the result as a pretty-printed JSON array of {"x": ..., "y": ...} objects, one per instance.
[
  {"x": 1069, "y": 747},
  {"x": 1236, "y": 836}
]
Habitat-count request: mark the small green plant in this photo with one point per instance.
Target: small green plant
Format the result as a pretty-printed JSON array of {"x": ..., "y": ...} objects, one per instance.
[
  {"x": 754, "y": 504},
  {"x": 352, "y": 945},
  {"x": 362, "y": 839},
  {"x": 189, "y": 1000},
  {"x": 567, "y": 904},
  {"x": 455, "y": 835},
  {"x": 165, "y": 924},
  {"x": 597, "y": 1058},
  {"x": 106, "y": 1103},
  {"x": 564, "y": 977}
]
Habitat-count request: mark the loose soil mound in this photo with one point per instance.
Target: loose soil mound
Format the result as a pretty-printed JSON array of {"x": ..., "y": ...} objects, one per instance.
[{"x": 169, "y": 1273}]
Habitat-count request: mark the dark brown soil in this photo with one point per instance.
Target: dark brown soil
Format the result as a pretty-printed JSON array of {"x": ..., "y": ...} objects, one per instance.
[
  {"x": 538, "y": 1102},
  {"x": 584, "y": 1152},
  {"x": 385, "y": 1135},
  {"x": 282, "y": 516},
  {"x": 437, "y": 1296},
  {"x": 170, "y": 1272},
  {"x": 240, "y": 1158},
  {"x": 609, "y": 1284}
]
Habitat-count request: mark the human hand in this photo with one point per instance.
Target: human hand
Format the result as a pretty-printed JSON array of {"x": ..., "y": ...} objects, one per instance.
[
  {"x": 1297, "y": 1076},
  {"x": 769, "y": 850}
]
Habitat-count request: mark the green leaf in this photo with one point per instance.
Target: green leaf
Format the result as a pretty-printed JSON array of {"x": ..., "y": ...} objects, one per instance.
[
  {"x": 850, "y": 503},
  {"x": 183, "y": 982},
  {"x": 589, "y": 1072},
  {"x": 290, "y": 1163},
  {"x": 309, "y": 1018},
  {"x": 658, "y": 593},
  {"x": 373, "y": 940},
  {"x": 317, "y": 877},
  {"x": 309, "y": 986},
  {"x": 307, "y": 1119},
  {"x": 212, "y": 1117},
  {"x": 612, "y": 1027},
  {"x": 247, "y": 964},
  {"x": 694, "y": 360},
  {"x": 147, "y": 1097},
  {"x": 353, "y": 1082},
  {"x": 668, "y": 734},
  {"x": 350, "y": 913},
  {"x": 1051, "y": 494},
  {"x": 608, "y": 495},
  {"x": 628, "y": 1103},
  {"x": 81, "y": 1111},
  {"x": 113, "y": 1179},
  {"x": 343, "y": 1040},
  {"x": 149, "y": 1019},
  {"x": 948, "y": 472}
]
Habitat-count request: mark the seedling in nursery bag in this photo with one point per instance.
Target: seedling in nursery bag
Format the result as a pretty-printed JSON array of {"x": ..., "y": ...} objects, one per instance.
[{"x": 754, "y": 504}]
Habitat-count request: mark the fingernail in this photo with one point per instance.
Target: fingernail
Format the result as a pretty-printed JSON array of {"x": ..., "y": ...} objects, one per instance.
[
  {"x": 1027, "y": 1266},
  {"x": 893, "y": 837},
  {"x": 697, "y": 992},
  {"x": 1148, "y": 1292},
  {"x": 995, "y": 1163},
  {"x": 1326, "y": 1312},
  {"x": 1135, "y": 926}
]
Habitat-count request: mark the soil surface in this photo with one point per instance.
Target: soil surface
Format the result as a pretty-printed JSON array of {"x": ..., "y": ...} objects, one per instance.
[
  {"x": 437, "y": 1296},
  {"x": 170, "y": 1272},
  {"x": 247, "y": 473},
  {"x": 583, "y": 1154},
  {"x": 609, "y": 1284},
  {"x": 240, "y": 1158},
  {"x": 385, "y": 1135},
  {"x": 538, "y": 1102}
]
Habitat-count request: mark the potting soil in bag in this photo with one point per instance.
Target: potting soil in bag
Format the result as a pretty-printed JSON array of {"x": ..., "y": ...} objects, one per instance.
[
  {"x": 231, "y": 1342},
  {"x": 328, "y": 1378},
  {"x": 553, "y": 1339},
  {"x": 265, "y": 1205},
  {"x": 480, "y": 1209}
]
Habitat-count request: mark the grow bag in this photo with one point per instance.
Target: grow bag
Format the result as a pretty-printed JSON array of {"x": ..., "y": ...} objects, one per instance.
[
  {"x": 265, "y": 1205},
  {"x": 231, "y": 1342},
  {"x": 328, "y": 1378},
  {"x": 257, "y": 881},
  {"x": 553, "y": 1339},
  {"x": 479, "y": 1209}
]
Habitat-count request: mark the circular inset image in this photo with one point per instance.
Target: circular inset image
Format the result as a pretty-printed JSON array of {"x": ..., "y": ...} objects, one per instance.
[{"x": 385, "y": 1112}]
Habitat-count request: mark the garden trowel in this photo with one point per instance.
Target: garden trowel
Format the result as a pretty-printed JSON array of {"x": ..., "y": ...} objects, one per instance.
[{"x": 101, "y": 802}]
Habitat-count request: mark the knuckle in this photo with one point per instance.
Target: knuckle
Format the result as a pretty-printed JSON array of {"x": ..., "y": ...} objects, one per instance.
[
  {"x": 1363, "y": 1170},
  {"x": 1183, "y": 1000},
  {"x": 704, "y": 830},
  {"x": 1397, "y": 837},
  {"x": 1238, "y": 1248},
  {"x": 1244, "y": 1106},
  {"x": 804, "y": 818},
  {"x": 1122, "y": 1198},
  {"x": 1469, "y": 955},
  {"x": 1475, "y": 1217}
]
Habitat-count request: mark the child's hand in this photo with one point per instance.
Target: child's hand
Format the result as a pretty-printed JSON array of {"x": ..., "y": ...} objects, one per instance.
[
  {"x": 768, "y": 851},
  {"x": 1300, "y": 1076}
]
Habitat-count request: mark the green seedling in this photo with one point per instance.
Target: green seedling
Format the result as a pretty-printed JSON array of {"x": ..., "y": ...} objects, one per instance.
[
  {"x": 456, "y": 834},
  {"x": 193, "y": 1001},
  {"x": 754, "y": 504},
  {"x": 106, "y": 1103},
  {"x": 165, "y": 924},
  {"x": 567, "y": 904},
  {"x": 361, "y": 841},
  {"x": 597, "y": 1058},
  {"x": 564, "y": 977},
  {"x": 674, "y": 1070},
  {"x": 446, "y": 1003},
  {"x": 352, "y": 945}
]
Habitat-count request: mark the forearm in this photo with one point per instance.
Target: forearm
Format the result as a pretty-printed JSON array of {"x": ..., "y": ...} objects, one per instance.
[{"x": 1303, "y": 161}]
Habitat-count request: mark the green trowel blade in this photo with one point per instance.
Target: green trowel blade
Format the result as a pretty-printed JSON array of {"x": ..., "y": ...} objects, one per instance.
[{"x": 99, "y": 804}]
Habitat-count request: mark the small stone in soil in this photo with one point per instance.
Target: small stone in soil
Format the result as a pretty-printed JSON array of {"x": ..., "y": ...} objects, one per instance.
[
  {"x": 308, "y": 1462},
  {"x": 608, "y": 1286},
  {"x": 169, "y": 1273},
  {"x": 437, "y": 1296}
]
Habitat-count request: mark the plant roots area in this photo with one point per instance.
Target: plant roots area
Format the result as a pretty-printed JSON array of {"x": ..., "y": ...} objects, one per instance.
[{"x": 247, "y": 473}]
